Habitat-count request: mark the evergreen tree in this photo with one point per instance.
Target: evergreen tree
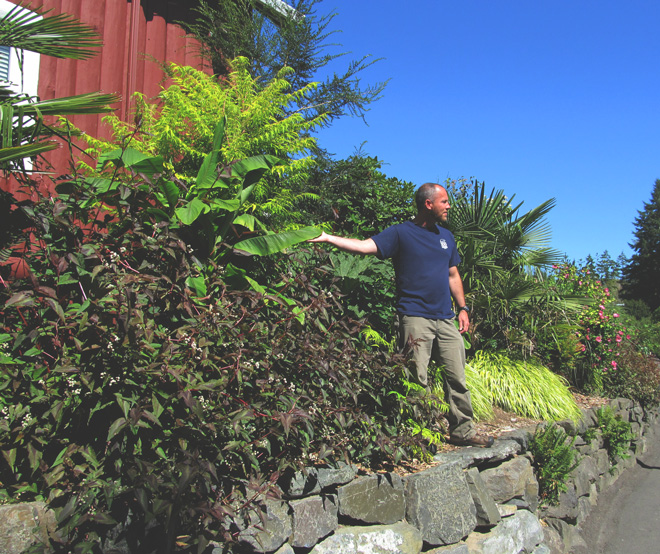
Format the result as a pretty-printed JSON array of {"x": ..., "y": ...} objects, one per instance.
[
  {"x": 607, "y": 267},
  {"x": 272, "y": 41},
  {"x": 642, "y": 274}
]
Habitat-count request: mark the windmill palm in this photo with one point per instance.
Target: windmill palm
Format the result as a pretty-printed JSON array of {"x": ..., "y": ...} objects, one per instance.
[
  {"x": 504, "y": 257},
  {"x": 22, "y": 127}
]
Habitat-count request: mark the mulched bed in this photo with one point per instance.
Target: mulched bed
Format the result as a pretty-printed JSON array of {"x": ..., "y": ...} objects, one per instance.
[{"x": 502, "y": 422}]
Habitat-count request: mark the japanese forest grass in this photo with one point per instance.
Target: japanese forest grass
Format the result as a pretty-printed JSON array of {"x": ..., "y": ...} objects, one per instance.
[{"x": 524, "y": 387}]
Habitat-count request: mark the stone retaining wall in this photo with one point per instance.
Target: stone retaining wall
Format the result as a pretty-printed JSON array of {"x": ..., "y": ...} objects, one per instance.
[{"x": 474, "y": 501}]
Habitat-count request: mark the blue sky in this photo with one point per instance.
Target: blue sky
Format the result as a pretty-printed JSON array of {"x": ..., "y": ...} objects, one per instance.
[{"x": 546, "y": 99}]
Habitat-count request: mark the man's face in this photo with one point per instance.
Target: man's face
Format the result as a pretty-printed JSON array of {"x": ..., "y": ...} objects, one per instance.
[{"x": 439, "y": 206}]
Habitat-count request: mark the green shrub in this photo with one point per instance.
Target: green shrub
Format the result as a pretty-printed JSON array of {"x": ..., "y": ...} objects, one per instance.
[
  {"x": 617, "y": 433},
  {"x": 637, "y": 377},
  {"x": 554, "y": 459},
  {"x": 128, "y": 386}
]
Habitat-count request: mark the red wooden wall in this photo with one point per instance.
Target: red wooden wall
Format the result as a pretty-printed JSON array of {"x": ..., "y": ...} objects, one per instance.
[{"x": 135, "y": 34}]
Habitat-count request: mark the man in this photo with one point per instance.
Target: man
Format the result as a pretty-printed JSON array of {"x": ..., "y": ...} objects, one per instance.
[{"x": 425, "y": 259}]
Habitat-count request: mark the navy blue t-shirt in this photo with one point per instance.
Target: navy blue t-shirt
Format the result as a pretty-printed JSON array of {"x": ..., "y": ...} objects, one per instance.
[{"x": 422, "y": 258}]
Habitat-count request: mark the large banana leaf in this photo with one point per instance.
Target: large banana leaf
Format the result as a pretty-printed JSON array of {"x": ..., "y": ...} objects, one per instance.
[{"x": 270, "y": 244}]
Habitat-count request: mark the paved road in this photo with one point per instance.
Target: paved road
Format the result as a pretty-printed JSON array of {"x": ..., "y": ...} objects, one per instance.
[{"x": 627, "y": 517}]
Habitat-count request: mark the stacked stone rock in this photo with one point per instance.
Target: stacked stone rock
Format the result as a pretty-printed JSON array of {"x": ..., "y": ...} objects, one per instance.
[{"x": 474, "y": 501}]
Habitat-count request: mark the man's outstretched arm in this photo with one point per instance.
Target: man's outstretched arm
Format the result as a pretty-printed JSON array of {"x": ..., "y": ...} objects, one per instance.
[{"x": 354, "y": 246}]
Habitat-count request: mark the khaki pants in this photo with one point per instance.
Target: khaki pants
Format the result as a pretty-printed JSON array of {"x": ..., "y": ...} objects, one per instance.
[{"x": 438, "y": 339}]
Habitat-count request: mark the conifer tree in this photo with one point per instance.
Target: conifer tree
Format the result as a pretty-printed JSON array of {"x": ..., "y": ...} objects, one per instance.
[
  {"x": 642, "y": 274},
  {"x": 230, "y": 28}
]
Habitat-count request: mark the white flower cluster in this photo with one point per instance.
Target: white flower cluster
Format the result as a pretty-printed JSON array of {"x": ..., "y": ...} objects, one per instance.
[
  {"x": 110, "y": 346},
  {"x": 192, "y": 343},
  {"x": 73, "y": 385}
]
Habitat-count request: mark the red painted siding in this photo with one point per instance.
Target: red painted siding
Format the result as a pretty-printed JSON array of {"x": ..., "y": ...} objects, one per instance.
[{"x": 136, "y": 36}]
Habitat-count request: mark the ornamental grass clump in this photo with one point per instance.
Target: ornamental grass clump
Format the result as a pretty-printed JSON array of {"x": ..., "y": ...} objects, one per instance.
[{"x": 524, "y": 387}]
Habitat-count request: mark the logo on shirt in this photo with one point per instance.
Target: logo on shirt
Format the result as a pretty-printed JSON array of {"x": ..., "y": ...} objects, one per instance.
[{"x": 443, "y": 243}]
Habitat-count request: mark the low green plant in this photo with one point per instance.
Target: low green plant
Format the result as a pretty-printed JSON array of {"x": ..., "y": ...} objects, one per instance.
[
  {"x": 417, "y": 395},
  {"x": 554, "y": 460},
  {"x": 524, "y": 387},
  {"x": 617, "y": 433}
]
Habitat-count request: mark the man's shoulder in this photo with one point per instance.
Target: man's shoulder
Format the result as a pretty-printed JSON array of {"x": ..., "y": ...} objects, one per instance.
[{"x": 397, "y": 228}]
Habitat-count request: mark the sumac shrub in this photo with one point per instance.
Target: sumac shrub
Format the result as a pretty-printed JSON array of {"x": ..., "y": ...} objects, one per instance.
[{"x": 132, "y": 403}]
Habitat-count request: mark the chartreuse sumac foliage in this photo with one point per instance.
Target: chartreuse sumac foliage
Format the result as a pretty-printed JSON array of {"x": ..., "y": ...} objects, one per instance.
[{"x": 132, "y": 403}]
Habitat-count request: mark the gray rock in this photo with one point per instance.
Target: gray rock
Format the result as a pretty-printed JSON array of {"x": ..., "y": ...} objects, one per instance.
[
  {"x": 552, "y": 539},
  {"x": 521, "y": 532},
  {"x": 286, "y": 549},
  {"x": 568, "y": 425},
  {"x": 541, "y": 549},
  {"x": 399, "y": 538},
  {"x": 461, "y": 548},
  {"x": 507, "y": 510},
  {"x": 579, "y": 441},
  {"x": 622, "y": 405},
  {"x": 637, "y": 414},
  {"x": 472, "y": 456},
  {"x": 509, "y": 479},
  {"x": 587, "y": 420},
  {"x": 521, "y": 436},
  {"x": 566, "y": 508},
  {"x": 636, "y": 429},
  {"x": 609, "y": 478},
  {"x": 329, "y": 477},
  {"x": 22, "y": 525},
  {"x": 313, "y": 518},
  {"x": 269, "y": 529},
  {"x": 584, "y": 508},
  {"x": 602, "y": 460},
  {"x": 583, "y": 475},
  {"x": 373, "y": 499},
  {"x": 628, "y": 462},
  {"x": 487, "y": 512},
  {"x": 570, "y": 536},
  {"x": 439, "y": 504},
  {"x": 300, "y": 483},
  {"x": 523, "y": 504},
  {"x": 639, "y": 446}
]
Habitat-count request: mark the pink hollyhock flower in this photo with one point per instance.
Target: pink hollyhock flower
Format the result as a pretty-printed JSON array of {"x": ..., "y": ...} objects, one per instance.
[
  {"x": 628, "y": 337},
  {"x": 618, "y": 338},
  {"x": 599, "y": 338},
  {"x": 613, "y": 364},
  {"x": 615, "y": 315}
]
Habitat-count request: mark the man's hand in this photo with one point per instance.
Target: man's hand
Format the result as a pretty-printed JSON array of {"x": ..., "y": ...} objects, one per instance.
[
  {"x": 354, "y": 246},
  {"x": 323, "y": 237},
  {"x": 463, "y": 322}
]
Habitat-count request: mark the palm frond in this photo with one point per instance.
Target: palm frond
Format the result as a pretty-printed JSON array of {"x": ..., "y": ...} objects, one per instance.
[
  {"x": 16, "y": 153},
  {"x": 60, "y": 36}
]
